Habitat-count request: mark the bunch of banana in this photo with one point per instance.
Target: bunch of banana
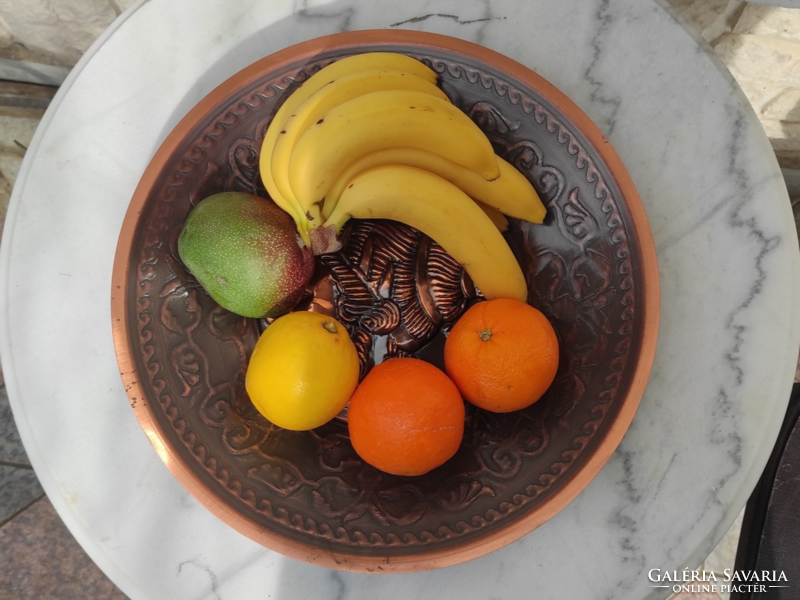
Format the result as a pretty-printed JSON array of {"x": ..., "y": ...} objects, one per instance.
[
  {"x": 372, "y": 136},
  {"x": 387, "y": 62}
]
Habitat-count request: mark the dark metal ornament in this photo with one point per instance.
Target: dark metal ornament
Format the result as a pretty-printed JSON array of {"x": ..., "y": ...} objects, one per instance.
[{"x": 393, "y": 288}]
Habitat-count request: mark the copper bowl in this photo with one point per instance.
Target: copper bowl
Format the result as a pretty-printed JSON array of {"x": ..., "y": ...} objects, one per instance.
[{"x": 591, "y": 268}]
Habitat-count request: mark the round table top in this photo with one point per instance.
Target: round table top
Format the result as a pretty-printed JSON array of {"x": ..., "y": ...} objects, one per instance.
[{"x": 728, "y": 263}]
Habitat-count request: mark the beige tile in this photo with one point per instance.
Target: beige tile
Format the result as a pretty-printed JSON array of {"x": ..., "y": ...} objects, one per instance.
[
  {"x": 784, "y": 106},
  {"x": 760, "y": 64},
  {"x": 699, "y": 14},
  {"x": 767, "y": 68},
  {"x": 769, "y": 21},
  {"x": 6, "y": 39},
  {"x": 64, "y": 29},
  {"x": 724, "y": 555},
  {"x": 15, "y": 50},
  {"x": 721, "y": 558},
  {"x": 121, "y": 5}
]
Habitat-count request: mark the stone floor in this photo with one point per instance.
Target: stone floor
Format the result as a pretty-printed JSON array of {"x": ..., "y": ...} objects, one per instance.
[{"x": 38, "y": 556}]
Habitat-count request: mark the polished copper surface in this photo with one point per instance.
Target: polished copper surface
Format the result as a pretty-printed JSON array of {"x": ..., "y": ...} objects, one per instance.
[{"x": 591, "y": 268}]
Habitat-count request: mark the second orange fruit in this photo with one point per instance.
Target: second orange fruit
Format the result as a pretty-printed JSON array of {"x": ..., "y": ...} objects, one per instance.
[
  {"x": 406, "y": 417},
  {"x": 502, "y": 354}
]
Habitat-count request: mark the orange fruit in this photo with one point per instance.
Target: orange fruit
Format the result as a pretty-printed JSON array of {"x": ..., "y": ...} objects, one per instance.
[
  {"x": 502, "y": 354},
  {"x": 406, "y": 417}
]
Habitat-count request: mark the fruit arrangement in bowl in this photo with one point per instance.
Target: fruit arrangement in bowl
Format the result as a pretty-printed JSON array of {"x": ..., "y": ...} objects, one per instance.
[
  {"x": 372, "y": 136},
  {"x": 385, "y": 301}
]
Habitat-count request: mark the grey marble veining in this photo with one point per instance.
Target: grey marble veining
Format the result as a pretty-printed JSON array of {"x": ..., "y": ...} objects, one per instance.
[{"x": 728, "y": 264}]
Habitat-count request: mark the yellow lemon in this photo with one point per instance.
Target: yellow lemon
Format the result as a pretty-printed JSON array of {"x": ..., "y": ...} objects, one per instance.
[{"x": 303, "y": 371}]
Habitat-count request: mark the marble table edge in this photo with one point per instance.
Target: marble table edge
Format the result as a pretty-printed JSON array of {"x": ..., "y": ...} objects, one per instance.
[{"x": 115, "y": 572}]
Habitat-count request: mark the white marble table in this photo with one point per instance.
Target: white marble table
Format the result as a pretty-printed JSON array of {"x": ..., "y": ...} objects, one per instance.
[{"x": 729, "y": 266}]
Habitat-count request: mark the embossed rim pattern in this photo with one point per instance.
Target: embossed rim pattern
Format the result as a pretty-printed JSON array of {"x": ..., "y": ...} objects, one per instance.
[{"x": 424, "y": 559}]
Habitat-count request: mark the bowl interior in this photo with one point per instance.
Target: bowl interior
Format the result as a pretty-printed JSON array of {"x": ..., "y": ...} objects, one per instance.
[{"x": 590, "y": 268}]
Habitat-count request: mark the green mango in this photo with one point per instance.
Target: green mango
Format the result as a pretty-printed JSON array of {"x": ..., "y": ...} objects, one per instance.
[{"x": 245, "y": 252}]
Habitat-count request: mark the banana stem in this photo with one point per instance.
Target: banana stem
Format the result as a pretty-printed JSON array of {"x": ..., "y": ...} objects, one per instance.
[
  {"x": 302, "y": 231},
  {"x": 324, "y": 241}
]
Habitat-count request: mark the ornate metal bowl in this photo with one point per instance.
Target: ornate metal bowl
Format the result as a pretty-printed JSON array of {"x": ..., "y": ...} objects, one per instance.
[{"x": 591, "y": 268}]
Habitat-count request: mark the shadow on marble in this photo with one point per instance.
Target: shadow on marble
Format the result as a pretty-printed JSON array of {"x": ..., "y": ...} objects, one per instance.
[{"x": 40, "y": 559}]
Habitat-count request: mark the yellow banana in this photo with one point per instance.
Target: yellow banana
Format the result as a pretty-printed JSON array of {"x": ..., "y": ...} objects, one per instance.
[
  {"x": 442, "y": 211},
  {"x": 495, "y": 216},
  {"x": 330, "y": 96},
  {"x": 381, "y": 120},
  {"x": 511, "y": 193},
  {"x": 339, "y": 68}
]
